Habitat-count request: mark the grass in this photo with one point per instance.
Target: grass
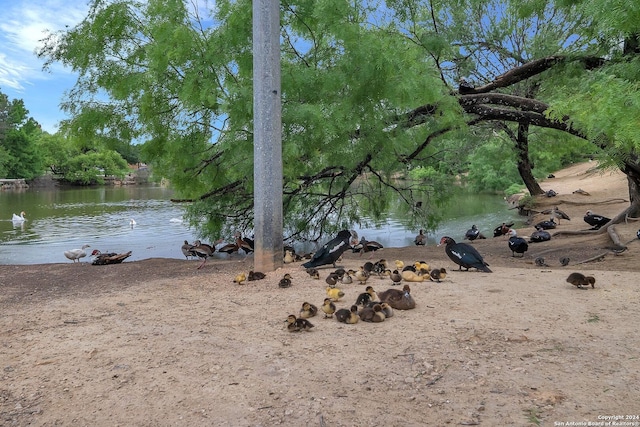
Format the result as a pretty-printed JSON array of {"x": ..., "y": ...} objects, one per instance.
[
  {"x": 593, "y": 318},
  {"x": 532, "y": 416}
]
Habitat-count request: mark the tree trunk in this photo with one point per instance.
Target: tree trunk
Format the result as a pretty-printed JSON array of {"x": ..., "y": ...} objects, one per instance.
[{"x": 524, "y": 164}]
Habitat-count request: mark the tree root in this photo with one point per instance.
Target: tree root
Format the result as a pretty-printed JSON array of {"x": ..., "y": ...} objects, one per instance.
[{"x": 599, "y": 257}]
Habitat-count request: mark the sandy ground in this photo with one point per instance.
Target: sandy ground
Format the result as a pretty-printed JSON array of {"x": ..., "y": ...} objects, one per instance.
[{"x": 159, "y": 343}]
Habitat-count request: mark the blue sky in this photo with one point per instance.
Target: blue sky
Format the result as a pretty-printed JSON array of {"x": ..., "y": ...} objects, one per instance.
[{"x": 23, "y": 25}]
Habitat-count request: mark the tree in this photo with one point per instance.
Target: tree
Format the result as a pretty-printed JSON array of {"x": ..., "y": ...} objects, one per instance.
[{"x": 369, "y": 92}]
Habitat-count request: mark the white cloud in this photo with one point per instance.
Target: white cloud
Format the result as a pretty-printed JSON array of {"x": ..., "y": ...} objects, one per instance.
[{"x": 24, "y": 25}]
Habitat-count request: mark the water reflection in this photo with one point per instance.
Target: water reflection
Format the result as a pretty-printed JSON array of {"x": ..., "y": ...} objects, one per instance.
[{"x": 59, "y": 220}]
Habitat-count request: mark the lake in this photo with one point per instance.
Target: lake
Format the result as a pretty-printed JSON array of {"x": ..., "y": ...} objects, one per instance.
[{"x": 63, "y": 219}]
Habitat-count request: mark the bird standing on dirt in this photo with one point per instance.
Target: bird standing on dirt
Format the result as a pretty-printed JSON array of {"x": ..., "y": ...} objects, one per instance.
[
  {"x": 75, "y": 254},
  {"x": 464, "y": 255},
  {"x": 556, "y": 214},
  {"x": 517, "y": 244},
  {"x": 330, "y": 251},
  {"x": 594, "y": 220},
  {"x": 579, "y": 280}
]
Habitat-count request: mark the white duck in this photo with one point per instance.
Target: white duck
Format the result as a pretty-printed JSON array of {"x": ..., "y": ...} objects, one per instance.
[
  {"x": 75, "y": 254},
  {"x": 19, "y": 218}
]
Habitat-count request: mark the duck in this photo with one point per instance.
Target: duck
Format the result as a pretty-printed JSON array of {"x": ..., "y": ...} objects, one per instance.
[
  {"x": 420, "y": 240},
  {"x": 285, "y": 282},
  {"x": 240, "y": 279},
  {"x": 19, "y": 218},
  {"x": 244, "y": 243},
  {"x": 297, "y": 324},
  {"x": 328, "y": 308},
  {"x": 564, "y": 261},
  {"x": 108, "y": 258},
  {"x": 363, "y": 299},
  {"x": 411, "y": 276},
  {"x": 549, "y": 224},
  {"x": 464, "y": 255},
  {"x": 473, "y": 233},
  {"x": 313, "y": 273},
  {"x": 308, "y": 310},
  {"x": 374, "y": 295},
  {"x": 438, "y": 274},
  {"x": 540, "y": 262},
  {"x": 132, "y": 222},
  {"x": 186, "y": 250},
  {"x": 330, "y": 251},
  {"x": 638, "y": 234},
  {"x": 399, "y": 264},
  {"x": 75, "y": 254},
  {"x": 334, "y": 293},
  {"x": 503, "y": 229},
  {"x": 228, "y": 248},
  {"x": 398, "y": 299},
  {"x": 594, "y": 220},
  {"x": 395, "y": 277},
  {"x": 540, "y": 235},
  {"x": 349, "y": 316},
  {"x": 579, "y": 280},
  {"x": 372, "y": 314},
  {"x": 365, "y": 245},
  {"x": 556, "y": 214},
  {"x": 517, "y": 244},
  {"x": 202, "y": 250},
  {"x": 255, "y": 275}
]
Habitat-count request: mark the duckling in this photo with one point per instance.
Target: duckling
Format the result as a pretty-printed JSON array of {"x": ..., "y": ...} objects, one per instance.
[
  {"x": 332, "y": 279},
  {"x": 385, "y": 273},
  {"x": 362, "y": 275},
  {"x": 348, "y": 316},
  {"x": 328, "y": 307},
  {"x": 363, "y": 299},
  {"x": 387, "y": 310},
  {"x": 579, "y": 280},
  {"x": 564, "y": 261},
  {"x": 395, "y": 277},
  {"x": 367, "y": 267},
  {"x": 295, "y": 325},
  {"x": 346, "y": 278},
  {"x": 410, "y": 276},
  {"x": 285, "y": 282},
  {"x": 334, "y": 293},
  {"x": 438, "y": 274},
  {"x": 313, "y": 273},
  {"x": 380, "y": 266},
  {"x": 372, "y": 314},
  {"x": 421, "y": 267},
  {"x": 340, "y": 272},
  {"x": 370, "y": 291},
  {"x": 288, "y": 257},
  {"x": 255, "y": 275},
  {"x": 240, "y": 278},
  {"x": 399, "y": 264},
  {"x": 308, "y": 310}
]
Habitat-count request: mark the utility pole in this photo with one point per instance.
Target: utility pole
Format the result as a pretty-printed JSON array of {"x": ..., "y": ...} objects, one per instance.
[{"x": 267, "y": 136}]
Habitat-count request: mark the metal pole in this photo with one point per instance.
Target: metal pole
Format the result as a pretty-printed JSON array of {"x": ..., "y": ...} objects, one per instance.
[{"x": 267, "y": 134}]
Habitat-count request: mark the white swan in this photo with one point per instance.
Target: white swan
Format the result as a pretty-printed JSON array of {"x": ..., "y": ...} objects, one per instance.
[
  {"x": 132, "y": 222},
  {"x": 75, "y": 254},
  {"x": 20, "y": 218}
]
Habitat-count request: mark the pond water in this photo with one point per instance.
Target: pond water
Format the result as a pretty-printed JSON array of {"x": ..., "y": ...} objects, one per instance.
[{"x": 62, "y": 219}]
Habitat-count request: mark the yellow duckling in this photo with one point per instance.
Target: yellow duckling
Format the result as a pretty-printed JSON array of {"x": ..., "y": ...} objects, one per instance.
[
  {"x": 285, "y": 282},
  {"x": 399, "y": 264},
  {"x": 240, "y": 278},
  {"x": 295, "y": 325},
  {"x": 422, "y": 267},
  {"x": 348, "y": 316},
  {"x": 411, "y": 276},
  {"x": 308, "y": 310},
  {"x": 334, "y": 293},
  {"x": 328, "y": 307},
  {"x": 288, "y": 257}
]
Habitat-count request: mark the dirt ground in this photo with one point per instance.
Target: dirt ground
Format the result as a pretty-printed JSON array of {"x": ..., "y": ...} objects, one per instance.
[{"x": 160, "y": 343}]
